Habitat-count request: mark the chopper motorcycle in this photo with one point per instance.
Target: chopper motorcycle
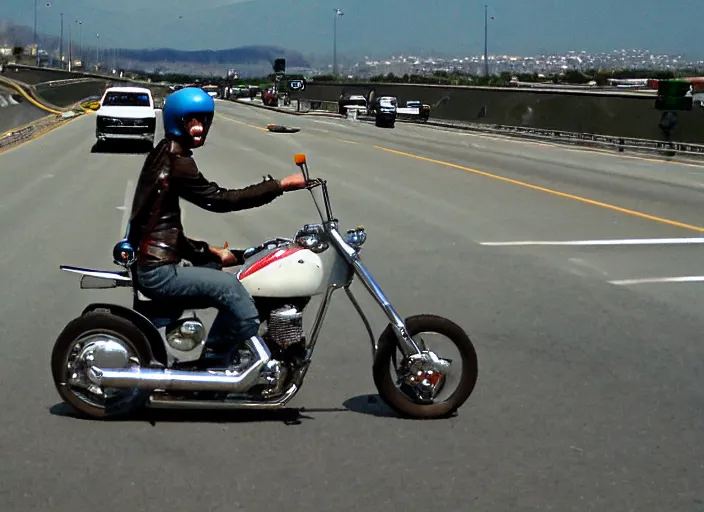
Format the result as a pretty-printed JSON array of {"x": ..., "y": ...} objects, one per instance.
[{"x": 111, "y": 359}]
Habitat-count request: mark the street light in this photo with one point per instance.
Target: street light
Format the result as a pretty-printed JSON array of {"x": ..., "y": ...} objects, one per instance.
[
  {"x": 35, "y": 30},
  {"x": 486, "y": 40},
  {"x": 338, "y": 12},
  {"x": 36, "y": 34},
  {"x": 61, "y": 44}
]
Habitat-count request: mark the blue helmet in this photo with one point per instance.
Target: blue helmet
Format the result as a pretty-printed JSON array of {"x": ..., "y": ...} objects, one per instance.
[{"x": 184, "y": 102}]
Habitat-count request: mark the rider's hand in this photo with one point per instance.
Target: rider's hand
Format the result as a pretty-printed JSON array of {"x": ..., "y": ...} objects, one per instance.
[
  {"x": 293, "y": 182},
  {"x": 228, "y": 259}
]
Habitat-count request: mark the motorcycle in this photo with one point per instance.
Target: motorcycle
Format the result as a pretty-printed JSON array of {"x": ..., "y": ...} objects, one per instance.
[{"x": 112, "y": 360}]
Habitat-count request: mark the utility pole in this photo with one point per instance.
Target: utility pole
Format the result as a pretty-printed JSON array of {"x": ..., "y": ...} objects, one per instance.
[
  {"x": 61, "y": 44},
  {"x": 70, "y": 49},
  {"x": 36, "y": 46},
  {"x": 338, "y": 12},
  {"x": 486, "y": 41}
]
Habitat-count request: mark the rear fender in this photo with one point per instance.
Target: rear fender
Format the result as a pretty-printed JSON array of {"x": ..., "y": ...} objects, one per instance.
[{"x": 156, "y": 343}]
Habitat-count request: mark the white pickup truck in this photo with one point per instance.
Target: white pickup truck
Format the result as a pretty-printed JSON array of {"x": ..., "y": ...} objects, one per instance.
[{"x": 126, "y": 113}]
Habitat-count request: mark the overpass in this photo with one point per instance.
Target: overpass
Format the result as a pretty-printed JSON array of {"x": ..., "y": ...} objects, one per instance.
[{"x": 577, "y": 274}]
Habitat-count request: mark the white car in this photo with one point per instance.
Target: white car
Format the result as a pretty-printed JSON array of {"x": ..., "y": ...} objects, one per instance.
[{"x": 126, "y": 113}]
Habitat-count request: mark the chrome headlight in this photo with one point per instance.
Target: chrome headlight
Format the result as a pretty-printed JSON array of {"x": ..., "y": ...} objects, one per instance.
[
  {"x": 311, "y": 237},
  {"x": 356, "y": 237}
]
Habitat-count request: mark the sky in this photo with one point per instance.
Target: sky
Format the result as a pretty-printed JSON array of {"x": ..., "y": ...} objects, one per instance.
[{"x": 379, "y": 27}]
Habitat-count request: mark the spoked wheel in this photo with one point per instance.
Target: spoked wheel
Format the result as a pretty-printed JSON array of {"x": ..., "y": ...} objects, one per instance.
[
  {"x": 413, "y": 387},
  {"x": 105, "y": 341}
]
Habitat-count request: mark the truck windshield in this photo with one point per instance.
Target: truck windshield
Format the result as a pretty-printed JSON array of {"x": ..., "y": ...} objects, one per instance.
[{"x": 126, "y": 99}]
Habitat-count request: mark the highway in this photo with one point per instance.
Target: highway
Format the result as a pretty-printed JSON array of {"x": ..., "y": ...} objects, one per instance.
[
  {"x": 589, "y": 394},
  {"x": 16, "y": 112}
]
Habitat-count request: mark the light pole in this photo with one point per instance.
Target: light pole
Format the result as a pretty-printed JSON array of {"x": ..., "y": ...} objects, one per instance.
[
  {"x": 80, "y": 44},
  {"x": 61, "y": 44},
  {"x": 70, "y": 49},
  {"x": 486, "y": 42},
  {"x": 36, "y": 46},
  {"x": 97, "y": 51},
  {"x": 338, "y": 12}
]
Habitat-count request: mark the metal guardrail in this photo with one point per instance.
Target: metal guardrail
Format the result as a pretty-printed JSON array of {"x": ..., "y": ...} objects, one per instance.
[
  {"x": 582, "y": 139},
  {"x": 621, "y": 144},
  {"x": 303, "y": 105}
]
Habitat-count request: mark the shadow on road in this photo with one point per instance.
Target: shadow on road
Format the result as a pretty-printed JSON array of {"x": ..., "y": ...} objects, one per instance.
[
  {"x": 363, "y": 404},
  {"x": 123, "y": 148}
]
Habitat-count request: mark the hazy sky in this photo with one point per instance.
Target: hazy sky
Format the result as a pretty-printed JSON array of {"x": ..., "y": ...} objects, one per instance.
[{"x": 520, "y": 27}]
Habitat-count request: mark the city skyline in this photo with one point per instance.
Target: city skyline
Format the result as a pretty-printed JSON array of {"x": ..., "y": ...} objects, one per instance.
[{"x": 374, "y": 28}]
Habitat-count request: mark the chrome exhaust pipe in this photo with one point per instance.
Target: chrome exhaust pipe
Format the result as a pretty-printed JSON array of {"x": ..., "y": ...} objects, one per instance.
[
  {"x": 182, "y": 380},
  {"x": 177, "y": 380},
  {"x": 159, "y": 402}
]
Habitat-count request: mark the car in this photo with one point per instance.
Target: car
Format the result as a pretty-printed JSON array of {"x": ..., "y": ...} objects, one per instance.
[
  {"x": 386, "y": 111},
  {"x": 126, "y": 113}
]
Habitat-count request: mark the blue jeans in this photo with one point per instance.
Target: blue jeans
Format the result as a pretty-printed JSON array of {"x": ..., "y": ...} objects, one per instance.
[{"x": 206, "y": 287}]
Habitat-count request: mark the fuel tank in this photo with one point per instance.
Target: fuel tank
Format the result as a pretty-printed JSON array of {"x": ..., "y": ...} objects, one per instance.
[{"x": 283, "y": 272}]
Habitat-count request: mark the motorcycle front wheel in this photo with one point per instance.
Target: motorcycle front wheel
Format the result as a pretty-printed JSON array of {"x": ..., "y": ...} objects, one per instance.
[{"x": 402, "y": 398}]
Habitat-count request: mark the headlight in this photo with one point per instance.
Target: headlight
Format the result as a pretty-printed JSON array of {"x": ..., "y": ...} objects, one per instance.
[{"x": 356, "y": 237}]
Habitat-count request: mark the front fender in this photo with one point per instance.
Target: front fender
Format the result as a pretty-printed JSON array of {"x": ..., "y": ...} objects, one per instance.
[{"x": 156, "y": 343}]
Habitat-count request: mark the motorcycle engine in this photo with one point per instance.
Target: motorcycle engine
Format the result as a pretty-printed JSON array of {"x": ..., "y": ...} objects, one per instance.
[
  {"x": 285, "y": 326},
  {"x": 185, "y": 334}
]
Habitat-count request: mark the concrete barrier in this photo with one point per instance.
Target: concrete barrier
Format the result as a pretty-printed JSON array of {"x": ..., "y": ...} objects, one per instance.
[
  {"x": 616, "y": 114},
  {"x": 65, "y": 94},
  {"x": 16, "y": 111},
  {"x": 34, "y": 129},
  {"x": 64, "y": 88}
]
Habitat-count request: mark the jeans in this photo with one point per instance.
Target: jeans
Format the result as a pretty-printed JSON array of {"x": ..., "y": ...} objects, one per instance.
[{"x": 203, "y": 287}]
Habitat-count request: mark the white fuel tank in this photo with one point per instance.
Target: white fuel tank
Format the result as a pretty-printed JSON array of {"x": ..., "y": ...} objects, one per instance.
[{"x": 283, "y": 272}]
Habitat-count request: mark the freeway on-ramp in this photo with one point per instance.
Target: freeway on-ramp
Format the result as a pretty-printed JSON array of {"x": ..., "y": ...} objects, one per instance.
[{"x": 554, "y": 260}]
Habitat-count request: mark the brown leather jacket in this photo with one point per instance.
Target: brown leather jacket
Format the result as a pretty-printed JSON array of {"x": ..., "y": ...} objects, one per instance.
[{"x": 156, "y": 231}]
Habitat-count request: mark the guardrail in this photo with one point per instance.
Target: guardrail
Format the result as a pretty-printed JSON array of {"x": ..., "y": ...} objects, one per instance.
[
  {"x": 303, "y": 105},
  {"x": 669, "y": 148},
  {"x": 19, "y": 87},
  {"x": 620, "y": 144},
  {"x": 608, "y": 113}
]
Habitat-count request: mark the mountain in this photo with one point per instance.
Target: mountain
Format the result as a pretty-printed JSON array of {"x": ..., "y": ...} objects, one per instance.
[
  {"x": 241, "y": 55},
  {"x": 247, "y": 60}
]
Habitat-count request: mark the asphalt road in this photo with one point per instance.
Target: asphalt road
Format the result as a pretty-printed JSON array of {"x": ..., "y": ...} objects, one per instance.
[
  {"x": 589, "y": 395},
  {"x": 15, "y": 111}
]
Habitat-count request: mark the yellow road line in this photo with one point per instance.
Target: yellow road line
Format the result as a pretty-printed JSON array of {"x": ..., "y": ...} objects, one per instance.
[
  {"x": 28, "y": 97},
  {"x": 549, "y": 191},
  {"x": 229, "y": 118},
  {"x": 38, "y": 135},
  {"x": 563, "y": 146},
  {"x": 557, "y": 193}
]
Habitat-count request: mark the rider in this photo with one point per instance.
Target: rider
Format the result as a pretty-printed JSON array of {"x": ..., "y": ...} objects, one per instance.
[{"x": 156, "y": 231}]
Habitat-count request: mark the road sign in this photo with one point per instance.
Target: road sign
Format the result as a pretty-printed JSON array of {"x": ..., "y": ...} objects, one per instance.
[{"x": 297, "y": 85}]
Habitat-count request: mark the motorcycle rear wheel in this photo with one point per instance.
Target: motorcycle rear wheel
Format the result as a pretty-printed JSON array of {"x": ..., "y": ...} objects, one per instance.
[
  {"x": 96, "y": 326},
  {"x": 402, "y": 403}
]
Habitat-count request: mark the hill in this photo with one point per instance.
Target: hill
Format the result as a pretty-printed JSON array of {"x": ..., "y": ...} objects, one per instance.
[{"x": 247, "y": 60}]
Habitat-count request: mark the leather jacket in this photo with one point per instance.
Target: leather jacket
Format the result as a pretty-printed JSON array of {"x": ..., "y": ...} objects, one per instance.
[{"x": 155, "y": 229}]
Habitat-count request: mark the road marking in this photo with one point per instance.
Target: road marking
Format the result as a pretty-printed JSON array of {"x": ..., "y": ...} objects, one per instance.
[
  {"x": 581, "y": 199},
  {"x": 37, "y": 135},
  {"x": 626, "y": 241},
  {"x": 126, "y": 210},
  {"x": 229, "y": 118},
  {"x": 337, "y": 125},
  {"x": 561, "y": 146},
  {"x": 548, "y": 190},
  {"x": 655, "y": 280}
]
